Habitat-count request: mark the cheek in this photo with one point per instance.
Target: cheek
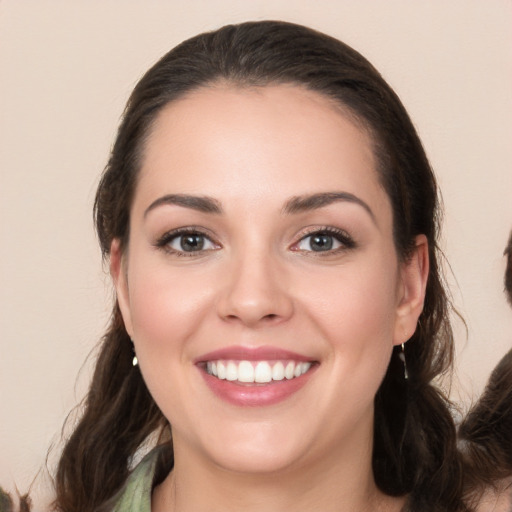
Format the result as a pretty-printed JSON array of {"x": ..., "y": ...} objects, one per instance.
[
  {"x": 360, "y": 301},
  {"x": 165, "y": 307},
  {"x": 355, "y": 312}
]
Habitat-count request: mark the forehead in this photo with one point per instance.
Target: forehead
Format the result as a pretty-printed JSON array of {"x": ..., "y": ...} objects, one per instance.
[{"x": 272, "y": 141}]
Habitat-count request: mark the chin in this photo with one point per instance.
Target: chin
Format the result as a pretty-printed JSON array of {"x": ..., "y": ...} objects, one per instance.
[
  {"x": 257, "y": 448},
  {"x": 257, "y": 459}
]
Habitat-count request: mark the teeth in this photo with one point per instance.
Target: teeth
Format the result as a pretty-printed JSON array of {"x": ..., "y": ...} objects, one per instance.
[
  {"x": 305, "y": 367},
  {"x": 260, "y": 372},
  {"x": 221, "y": 370},
  {"x": 278, "y": 371},
  {"x": 245, "y": 371},
  {"x": 231, "y": 371},
  {"x": 289, "y": 371}
]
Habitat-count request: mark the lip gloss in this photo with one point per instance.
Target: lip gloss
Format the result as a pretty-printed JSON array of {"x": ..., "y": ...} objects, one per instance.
[{"x": 254, "y": 394}]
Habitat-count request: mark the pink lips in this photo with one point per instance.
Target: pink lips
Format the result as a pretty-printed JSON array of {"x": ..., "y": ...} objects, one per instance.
[
  {"x": 253, "y": 395},
  {"x": 251, "y": 354}
]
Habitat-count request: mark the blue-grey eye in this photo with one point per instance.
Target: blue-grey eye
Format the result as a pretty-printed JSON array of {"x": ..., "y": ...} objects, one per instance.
[
  {"x": 320, "y": 242},
  {"x": 191, "y": 242}
]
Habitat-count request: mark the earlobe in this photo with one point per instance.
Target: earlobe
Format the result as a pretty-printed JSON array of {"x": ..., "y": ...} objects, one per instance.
[
  {"x": 119, "y": 278},
  {"x": 414, "y": 276}
]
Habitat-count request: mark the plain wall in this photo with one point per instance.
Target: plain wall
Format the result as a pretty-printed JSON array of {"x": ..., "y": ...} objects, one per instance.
[{"x": 66, "y": 69}]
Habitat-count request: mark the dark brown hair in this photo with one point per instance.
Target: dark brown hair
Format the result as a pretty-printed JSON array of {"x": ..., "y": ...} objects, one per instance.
[
  {"x": 415, "y": 449},
  {"x": 486, "y": 432},
  {"x": 508, "y": 270}
]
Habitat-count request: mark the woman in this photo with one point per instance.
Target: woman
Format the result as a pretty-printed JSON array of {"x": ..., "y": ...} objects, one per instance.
[{"x": 271, "y": 222}]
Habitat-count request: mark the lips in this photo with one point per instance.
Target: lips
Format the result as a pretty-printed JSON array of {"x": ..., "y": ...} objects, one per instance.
[{"x": 255, "y": 377}]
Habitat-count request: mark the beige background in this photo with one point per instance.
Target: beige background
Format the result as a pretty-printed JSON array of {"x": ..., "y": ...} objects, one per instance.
[{"x": 66, "y": 69}]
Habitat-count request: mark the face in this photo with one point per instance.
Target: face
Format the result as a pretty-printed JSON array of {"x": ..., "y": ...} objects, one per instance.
[{"x": 261, "y": 285}]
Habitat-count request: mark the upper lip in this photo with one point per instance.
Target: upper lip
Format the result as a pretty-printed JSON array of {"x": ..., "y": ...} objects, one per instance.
[{"x": 240, "y": 353}]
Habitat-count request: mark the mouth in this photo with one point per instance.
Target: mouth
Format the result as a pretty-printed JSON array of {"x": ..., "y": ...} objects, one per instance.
[{"x": 255, "y": 376}]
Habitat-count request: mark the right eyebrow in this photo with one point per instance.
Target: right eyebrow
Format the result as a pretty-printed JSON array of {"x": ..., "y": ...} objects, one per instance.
[
  {"x": 203, "y": 204},
  {"x": 306, "y": 203}
]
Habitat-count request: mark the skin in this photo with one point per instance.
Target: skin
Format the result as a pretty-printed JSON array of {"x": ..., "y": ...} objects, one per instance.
[{"x": 258, "y": 282}]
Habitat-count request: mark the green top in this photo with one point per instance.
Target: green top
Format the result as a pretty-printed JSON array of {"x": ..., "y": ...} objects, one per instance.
[{"x": 136, "y": 494}]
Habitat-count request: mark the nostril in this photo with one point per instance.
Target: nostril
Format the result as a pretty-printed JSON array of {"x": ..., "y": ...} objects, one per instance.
[
  {"x": 253, "y": 306},
  {"x": 270, "y": 319}
]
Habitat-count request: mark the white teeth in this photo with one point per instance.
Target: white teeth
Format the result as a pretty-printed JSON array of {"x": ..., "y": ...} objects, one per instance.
[
  {"x": 245, "y": 372},
  {"x": 260, "y": 372},
  {"x": 278, "y": 371},
  {"x": 231, "y": 371},
  {"x": 221, "y": 370},
  {"x": 305, "y": 367},
  {"x": 289, "y": 370}
]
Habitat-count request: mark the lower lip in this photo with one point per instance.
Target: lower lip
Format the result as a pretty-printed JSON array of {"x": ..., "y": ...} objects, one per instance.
[{"x": 256, "y": 395}]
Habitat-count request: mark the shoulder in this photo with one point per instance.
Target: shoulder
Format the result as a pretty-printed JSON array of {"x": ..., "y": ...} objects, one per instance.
[{"x": 136, "y": 493}]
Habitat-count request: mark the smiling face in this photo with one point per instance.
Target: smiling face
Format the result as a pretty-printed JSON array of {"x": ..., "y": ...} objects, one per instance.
[{"x": 261, "y": 284}]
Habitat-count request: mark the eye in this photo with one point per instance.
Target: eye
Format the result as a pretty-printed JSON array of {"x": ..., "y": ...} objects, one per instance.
[
  {"x": 324, "y": 240},
  {"x": 186, "y": 241},
  {"x": 190, "y": 242}
]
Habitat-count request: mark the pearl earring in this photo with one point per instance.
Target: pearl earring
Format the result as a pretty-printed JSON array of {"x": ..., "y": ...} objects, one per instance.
[{"x": 135, "y": 361}]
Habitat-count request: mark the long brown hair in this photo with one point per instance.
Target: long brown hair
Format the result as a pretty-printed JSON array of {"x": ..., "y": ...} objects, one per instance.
[
  {"x": 486, "y": 431},
  {"x": 415, "y": 448},
  {"x": 508, "y": 270}
]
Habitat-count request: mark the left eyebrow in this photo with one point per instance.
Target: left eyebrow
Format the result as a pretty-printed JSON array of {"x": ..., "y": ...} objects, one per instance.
[
  {"x": 301, "y": 204},
  {"x": 203, "y": 204}
]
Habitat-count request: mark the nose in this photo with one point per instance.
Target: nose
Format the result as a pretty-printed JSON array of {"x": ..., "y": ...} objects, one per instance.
[{"x": 255, "y": 292}]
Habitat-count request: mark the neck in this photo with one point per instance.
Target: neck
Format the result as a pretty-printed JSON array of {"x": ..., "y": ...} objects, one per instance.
[{"x": 339, "y": 482}]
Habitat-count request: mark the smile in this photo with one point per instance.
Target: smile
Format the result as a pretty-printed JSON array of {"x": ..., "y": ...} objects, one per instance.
[
  {"x": 255, "y": 377},
  {"x": 259, "y": 372}
]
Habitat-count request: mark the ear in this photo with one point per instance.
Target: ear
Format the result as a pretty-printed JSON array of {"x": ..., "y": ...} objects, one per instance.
[
  {"x": 120, "y": 279},
  {"x": 413, "y": 284}
]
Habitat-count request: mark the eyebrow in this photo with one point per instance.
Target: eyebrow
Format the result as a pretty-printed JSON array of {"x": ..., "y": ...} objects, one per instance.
[
  {"x": 294, "y": 205},
  {"x": 203, "y": 204},
  {"x": 301, "y": 204}
]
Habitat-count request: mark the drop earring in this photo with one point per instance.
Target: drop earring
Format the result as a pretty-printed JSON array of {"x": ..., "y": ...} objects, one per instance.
[
  {"x": 402, "y": 358},
  {"x": 135, "y": 361}
]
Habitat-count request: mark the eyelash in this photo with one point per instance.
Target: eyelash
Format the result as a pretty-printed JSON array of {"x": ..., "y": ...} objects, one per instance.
[
  {"x": 164, "y": 241},
  {"x": 339, "y": 235},
  {"x": 346, "y": 241}
]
